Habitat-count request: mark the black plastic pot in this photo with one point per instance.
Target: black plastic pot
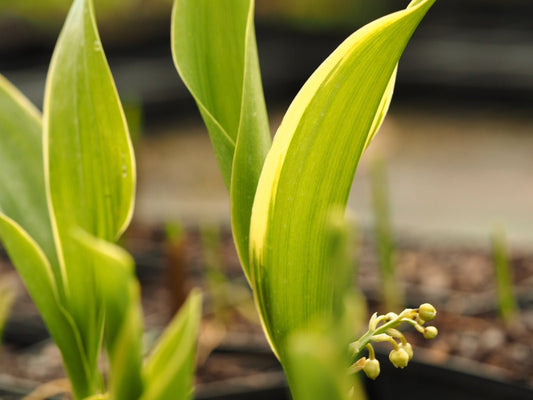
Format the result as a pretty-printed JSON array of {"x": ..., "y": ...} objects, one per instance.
[{"x": 456, "y": 380}]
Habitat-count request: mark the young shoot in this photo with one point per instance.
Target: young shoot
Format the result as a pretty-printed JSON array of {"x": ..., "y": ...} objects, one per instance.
[
  {"x": 507, "y": 304},
  {"x": 7, "y": 296},
  {"x": 391, "y": 291},
  {"x": 176, "y": 264}
]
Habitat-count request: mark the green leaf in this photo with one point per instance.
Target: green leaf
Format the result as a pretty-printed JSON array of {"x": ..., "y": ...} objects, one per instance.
[
  {"x": 22, "y": 190},
  {"x": 36, "y": 273},
  {"x": 91, "y": 171},
  {"x": 89, "y": 165},
  {"x": 214, "y": 50},
  {"x": 318, "y": 355},
  {"x": 26, "y": 231},
  {"x": 319, "y": 369},
  {"x": 170, "y": 368},
  {"x": 383, "y": 108},
  {"x": 310, "y": 169},
  {"x": 118, "y": 291}
]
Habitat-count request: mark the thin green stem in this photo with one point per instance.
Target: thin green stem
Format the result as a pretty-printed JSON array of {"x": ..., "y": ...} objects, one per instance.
[{"x": 358, "y": 345}]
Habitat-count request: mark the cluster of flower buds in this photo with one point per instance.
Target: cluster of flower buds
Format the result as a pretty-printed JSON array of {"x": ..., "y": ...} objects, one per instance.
[{"x": 382, "y": 328}]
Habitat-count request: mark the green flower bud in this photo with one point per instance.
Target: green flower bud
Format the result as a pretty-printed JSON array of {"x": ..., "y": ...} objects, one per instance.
[
  {"x": 427, "y": 312},
  {"x": 390, "y": 316},
  {"x": 399, "y": 358},
  {"x": 408, "y": 349},
  {"x": 372, "y": 368},
  {"x": 430, "y": 332}
]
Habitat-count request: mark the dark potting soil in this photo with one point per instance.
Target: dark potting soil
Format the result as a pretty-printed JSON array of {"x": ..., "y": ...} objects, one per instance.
[{"x": 458, "y": 281}]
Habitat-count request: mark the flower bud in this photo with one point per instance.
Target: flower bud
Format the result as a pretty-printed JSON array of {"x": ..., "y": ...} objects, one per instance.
[
  {"x": 372, "y": 368},
  {"x": 390, "y": 316},
  {"x": 427, "y": 312},
  {"x": 399, "y": 358},
  {"x": 430, "y": 332},
  {"x": 408, "y": 349}
]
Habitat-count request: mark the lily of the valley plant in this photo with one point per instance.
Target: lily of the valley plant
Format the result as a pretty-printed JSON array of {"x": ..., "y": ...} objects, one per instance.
[
  {"x": 67, "y": 181},
  {"x": 287, "y": 195}
]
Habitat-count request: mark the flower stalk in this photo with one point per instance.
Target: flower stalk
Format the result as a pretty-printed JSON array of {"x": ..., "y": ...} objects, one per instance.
[{"x": 382, "y": 328}]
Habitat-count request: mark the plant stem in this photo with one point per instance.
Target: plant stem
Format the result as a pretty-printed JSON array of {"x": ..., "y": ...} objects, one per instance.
[{"x": 364, "y": 340}]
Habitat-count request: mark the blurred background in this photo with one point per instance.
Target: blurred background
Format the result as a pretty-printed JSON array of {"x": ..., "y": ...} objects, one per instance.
[{"x": 457, "y": 142}]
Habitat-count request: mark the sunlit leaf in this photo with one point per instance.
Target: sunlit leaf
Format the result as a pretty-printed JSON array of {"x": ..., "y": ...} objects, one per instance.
[
  {"x": 214, "y": 49},
  {"x": 89, "y": 166},
  {"x": 170, "y": 368},
  {"x": 310, "y": 169},
  {"x": 88, "y": 152}
]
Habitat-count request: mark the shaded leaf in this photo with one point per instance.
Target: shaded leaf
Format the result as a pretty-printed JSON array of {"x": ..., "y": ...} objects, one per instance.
[
  {"x": 35, "y": 271},
  {"x": 214, "y": 50},
  {"x": 22, "y": 190},
  {"x": 26, "y": 231}
]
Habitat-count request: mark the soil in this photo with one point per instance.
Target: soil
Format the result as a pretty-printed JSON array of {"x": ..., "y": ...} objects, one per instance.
[{"x": 458, "y": 281}]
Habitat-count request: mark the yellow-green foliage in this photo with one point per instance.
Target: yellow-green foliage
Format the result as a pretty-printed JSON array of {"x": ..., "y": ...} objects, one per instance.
[{"x": 283, "y": 196}]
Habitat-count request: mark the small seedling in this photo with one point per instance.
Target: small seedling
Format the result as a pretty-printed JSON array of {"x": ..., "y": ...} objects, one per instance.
[
  {"x": 227, "y": 296},
  {"x": 176, "y": 264},
  {"x": 7, "y": 296},
  {"x": 391, "y": 290},
  {"x": 507, "y": 304}
]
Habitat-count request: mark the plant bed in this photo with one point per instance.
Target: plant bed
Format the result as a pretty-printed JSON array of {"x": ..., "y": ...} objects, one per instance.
[
  {"x": 457, "y": 278},
  {"x": 472, "y": 342}
]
